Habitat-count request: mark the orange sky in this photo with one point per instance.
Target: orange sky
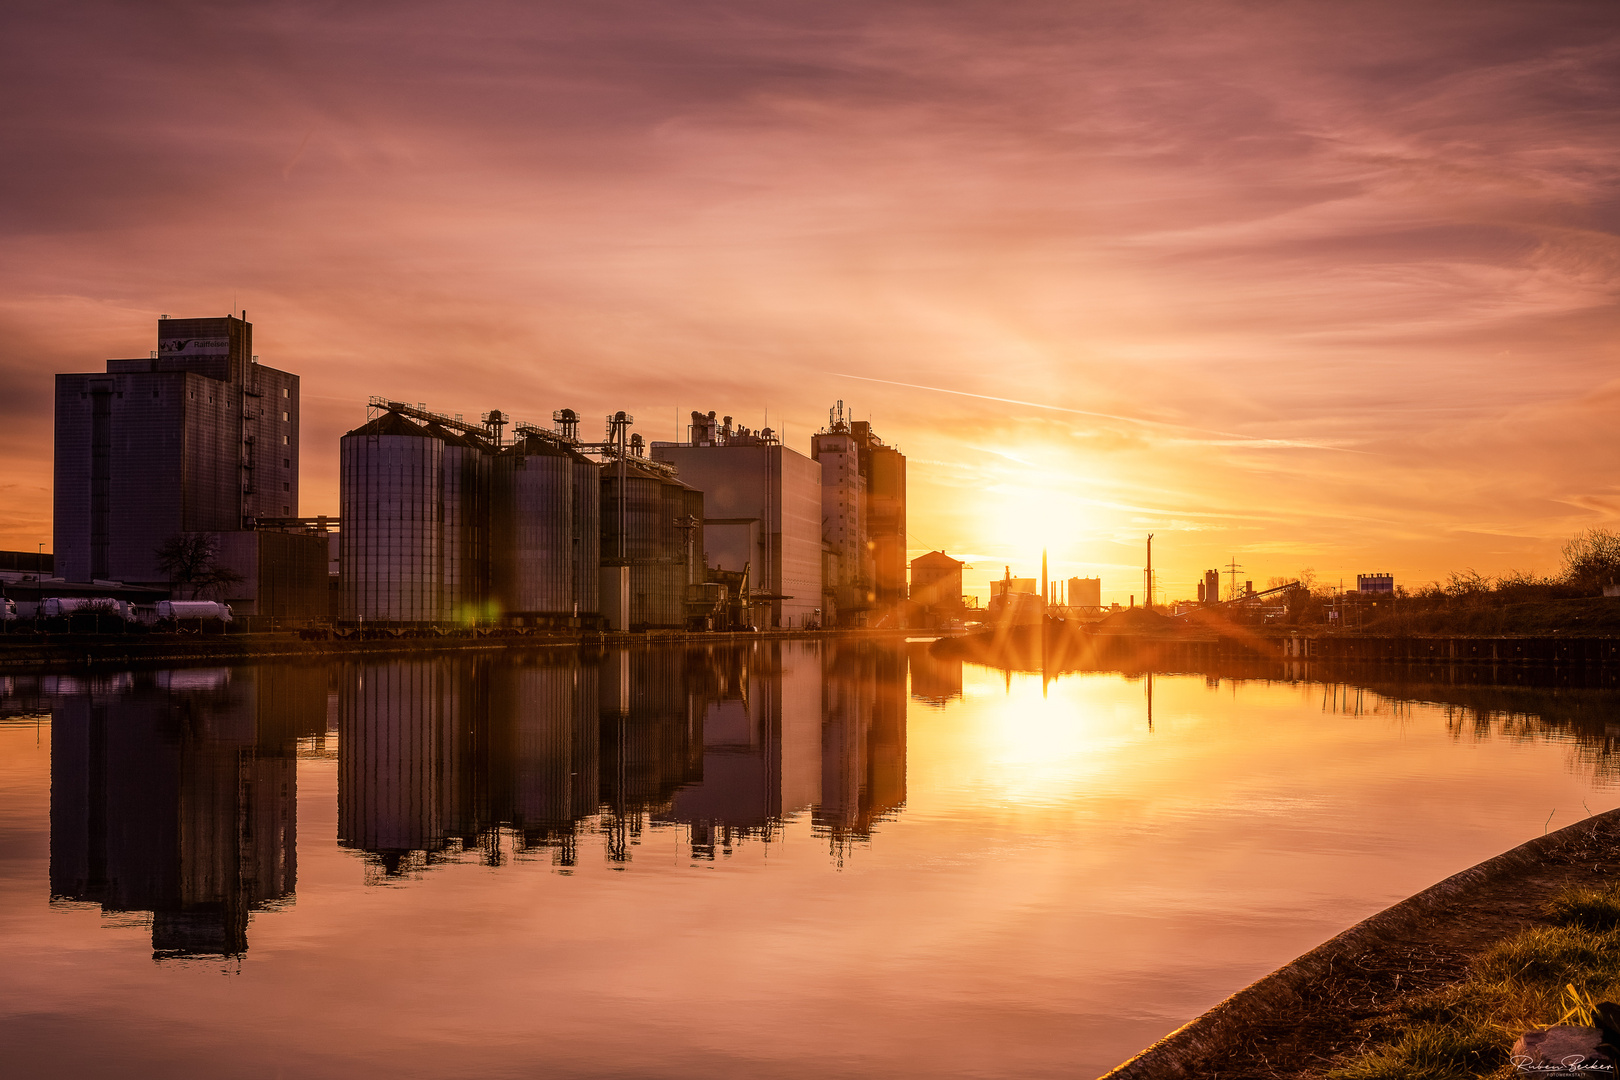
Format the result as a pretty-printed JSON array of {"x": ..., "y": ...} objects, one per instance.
[{"x": 1304, "y": 285}]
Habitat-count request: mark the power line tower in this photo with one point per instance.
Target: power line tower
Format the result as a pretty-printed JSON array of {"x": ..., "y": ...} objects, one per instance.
[{"x": 1233, "y": 568}]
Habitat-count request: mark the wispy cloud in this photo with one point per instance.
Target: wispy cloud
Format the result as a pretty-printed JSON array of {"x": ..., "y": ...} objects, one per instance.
[{"x": 1337, "y": 279}]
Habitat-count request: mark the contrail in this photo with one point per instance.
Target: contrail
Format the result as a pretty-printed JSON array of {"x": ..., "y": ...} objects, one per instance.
[
  {"x": 1242, "y": 440},
  {"x": 287, "y": 169}
]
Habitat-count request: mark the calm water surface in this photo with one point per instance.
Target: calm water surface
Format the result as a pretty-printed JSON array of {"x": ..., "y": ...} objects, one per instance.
[{"x": 794, "y": 860}]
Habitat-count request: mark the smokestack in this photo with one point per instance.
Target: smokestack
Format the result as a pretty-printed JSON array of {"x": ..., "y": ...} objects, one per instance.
[{"x": 1149, "y": 604}]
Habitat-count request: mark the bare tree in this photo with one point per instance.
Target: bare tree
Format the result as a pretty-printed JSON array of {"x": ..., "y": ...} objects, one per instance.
[
  {"x": 191, "y": 563},
  {"x": 1592, "y": 559}
]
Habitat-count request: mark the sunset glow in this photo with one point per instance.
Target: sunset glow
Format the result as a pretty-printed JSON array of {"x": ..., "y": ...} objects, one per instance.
[{"x": 1291, "y": 285}]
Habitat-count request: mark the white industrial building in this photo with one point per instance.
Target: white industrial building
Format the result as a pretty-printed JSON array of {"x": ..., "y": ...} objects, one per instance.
[{"x": 762, "y": 505}]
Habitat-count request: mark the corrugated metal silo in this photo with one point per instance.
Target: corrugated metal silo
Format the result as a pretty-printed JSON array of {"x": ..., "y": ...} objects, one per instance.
[
  {"x": 391, "y": 544},
  {"x": 587, "y": 534},
  {"x": 465, "y": 551},
  {"x": 643, "y": 549},
  {"x": 532, "y": 530}
]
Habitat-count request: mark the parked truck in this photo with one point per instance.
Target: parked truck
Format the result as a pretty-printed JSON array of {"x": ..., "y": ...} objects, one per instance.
[
  {"x": 55, "y": 606},
  {"x": 193, "y": 609}
]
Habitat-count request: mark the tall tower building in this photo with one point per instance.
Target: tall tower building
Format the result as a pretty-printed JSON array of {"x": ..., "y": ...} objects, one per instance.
[
  {"x": 848, "y": 575},
  {"x": 197, "y": 437},
  {"x": 863, "y": 519}
]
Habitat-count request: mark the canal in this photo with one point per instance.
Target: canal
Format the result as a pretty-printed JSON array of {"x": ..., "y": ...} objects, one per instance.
[{"x": 787, "y": 859}]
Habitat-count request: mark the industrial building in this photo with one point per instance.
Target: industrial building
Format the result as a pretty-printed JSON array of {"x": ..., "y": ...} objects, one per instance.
[
  {"x": 1015, "y": 600},
  {"x": 1084, "y": 593},
  {"x": 391, "y": 479},
  {"x": 545, "y": 529},
  {"x": 936, "y": 585},
  {"x": 1375, "y": 584},
  {"x": 196, "y": 438},
  {"x": 448, "y": 522},
  {"x": 762, "y": 513},
  {"x": 863, "y": 506},
  {"x": 654, "y": 531}
]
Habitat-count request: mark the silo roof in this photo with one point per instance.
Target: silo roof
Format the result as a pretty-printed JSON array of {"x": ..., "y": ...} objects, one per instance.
[
  {"x": 391, "y": 423},
  {"x": 534, "y": 447},
  {"x": 454, "y": 438}
]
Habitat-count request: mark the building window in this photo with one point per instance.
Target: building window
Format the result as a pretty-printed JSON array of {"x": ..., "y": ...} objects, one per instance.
[
  {"x": 286, "y": 392},
  {"x": 285, "y": 486},
  {"x": 286, "y": 463},
  {"x": 286, "y": 417},
  {"x": 284, "y": 440}
]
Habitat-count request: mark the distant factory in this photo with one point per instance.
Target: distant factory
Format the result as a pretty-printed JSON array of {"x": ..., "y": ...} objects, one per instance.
[
  {"x": 445, "y": 521},
  {"x": 449, "y": 522},
  {"x": 177, "y": 479},
  {"x": 198, "y": 438}
]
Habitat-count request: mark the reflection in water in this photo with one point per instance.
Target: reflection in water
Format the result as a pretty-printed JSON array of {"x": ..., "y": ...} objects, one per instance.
[
  {"x": 175, "y": 793},
  {"x": 935, "y": 679},
  {"x": 1023, "y": 858},
  {"x": 441, "y": 756}
]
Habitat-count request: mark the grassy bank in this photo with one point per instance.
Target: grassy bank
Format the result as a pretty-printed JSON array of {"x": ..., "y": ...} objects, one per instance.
[
  {"x": 1434, "y": 987},
  {"x": 1529, "y": 980},
  {"x": 1486, "y": 617}
]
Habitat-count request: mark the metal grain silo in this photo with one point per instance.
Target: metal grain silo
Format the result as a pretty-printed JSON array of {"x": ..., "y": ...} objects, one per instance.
[
  {"x": 587, "y": 534},
  {"x": 464, "y": 498},
  {"x": 646, "y": 549},
  {"x": 391, "y": 543},
  {"x": 532, "y": 530},
  {"x": 641, "y": 513}
]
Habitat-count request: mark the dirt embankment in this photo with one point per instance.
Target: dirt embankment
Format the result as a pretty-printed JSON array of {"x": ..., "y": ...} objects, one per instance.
[{"x": 1338, "y": 998}]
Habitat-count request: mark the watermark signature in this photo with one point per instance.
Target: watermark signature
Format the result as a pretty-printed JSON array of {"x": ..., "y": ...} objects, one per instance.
[{"x": 1572, "y": 1063}]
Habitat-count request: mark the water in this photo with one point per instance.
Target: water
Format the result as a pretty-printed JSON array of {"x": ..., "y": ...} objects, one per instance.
[{"x": 785, "y": 860}]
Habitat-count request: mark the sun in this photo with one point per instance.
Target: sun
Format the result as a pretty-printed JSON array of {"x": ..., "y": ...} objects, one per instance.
[{"x": 1048, "y": 509}]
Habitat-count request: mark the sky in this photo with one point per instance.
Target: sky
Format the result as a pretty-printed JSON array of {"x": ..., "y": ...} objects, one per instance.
[{"x": 1293, "y": 285}]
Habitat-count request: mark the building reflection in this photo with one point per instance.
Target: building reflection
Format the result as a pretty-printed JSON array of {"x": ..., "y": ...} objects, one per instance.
[
  {"x": 863, "y": 740},
  {"x": 450, "y": 758},
  {"x": 175, "y": 793},
  {"x": 935, "y": 679}
]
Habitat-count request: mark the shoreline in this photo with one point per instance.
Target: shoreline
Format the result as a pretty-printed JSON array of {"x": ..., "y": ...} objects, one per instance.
[
  {"x": 1297, "y": 1020},
  {"x": 76, "y": 652},
  {"x": 1058, "y": 647}
]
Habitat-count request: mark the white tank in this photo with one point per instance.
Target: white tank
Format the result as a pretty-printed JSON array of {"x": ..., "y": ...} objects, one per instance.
[
  {"x": 53, "y": 606},
  {"x": 193, "y": 609}
]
